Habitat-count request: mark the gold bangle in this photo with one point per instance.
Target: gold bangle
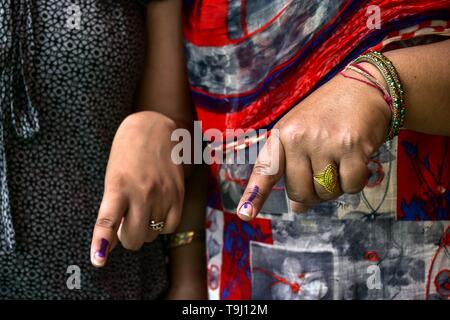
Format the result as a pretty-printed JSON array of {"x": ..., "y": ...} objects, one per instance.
[{"x": 184, "y": 238}]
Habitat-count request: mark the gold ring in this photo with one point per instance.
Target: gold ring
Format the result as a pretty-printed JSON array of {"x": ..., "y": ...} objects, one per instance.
[
  {"x": 327, "y": 178},
  {"x": 156, "y": 226}
]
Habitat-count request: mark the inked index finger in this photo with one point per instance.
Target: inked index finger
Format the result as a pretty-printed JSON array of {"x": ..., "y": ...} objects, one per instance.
[
  {"x": 268, "y": 169},
  {"x": 110, "y": 215}
]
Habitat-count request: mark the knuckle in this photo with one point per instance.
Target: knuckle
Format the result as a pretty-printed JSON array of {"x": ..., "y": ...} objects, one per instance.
[
  {"x": 132, "y": 120},
  {"x": 170, "y": 227},
  {"x": 262, "y": 169},
  {"x": 301, "y": 192},
  {"x": 150, "y": 237},
  {"x": 295, "y": 196},
  {"x": 291, "y": 133},
  {"x": 110, "y": 203},
  {"x": 168, "y": 188},
  {"x": 317, "y": 136},
  {"x": 146, "y": 187},
  {"x": 369, "y": 149},
  {"x": 350, "y": 140},
  {"x": 353, "y": 143},
  {"x": 131, "y": 240},
  {"x": 174, "y": 216},
  {"x": 106, "y": 223},
  {"x": 172, "y": 188},
  {"x": 305, "y": 199},
  {"x": 169, "y": 123},
  {"x": 115, "y": 184},
  {"x": 353, "y": 178},
  {"x": 351, "y": 189},
  {"x": 132, "y": 245},
  {"x": 354, "y": 185},
  {"x": 140, "y": 119}
]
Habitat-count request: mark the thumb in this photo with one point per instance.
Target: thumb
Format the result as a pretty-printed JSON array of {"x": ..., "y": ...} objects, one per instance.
[{"x": 268, "y": 169}]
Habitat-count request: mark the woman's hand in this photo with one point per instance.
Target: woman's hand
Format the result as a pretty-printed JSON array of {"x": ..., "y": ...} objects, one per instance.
[
  {"x": 341, "y": 124},
  {"x": 142, "y": 184}
]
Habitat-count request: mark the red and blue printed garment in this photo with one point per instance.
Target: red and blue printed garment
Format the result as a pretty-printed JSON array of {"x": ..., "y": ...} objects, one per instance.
[{"x": 250, "y": 62}]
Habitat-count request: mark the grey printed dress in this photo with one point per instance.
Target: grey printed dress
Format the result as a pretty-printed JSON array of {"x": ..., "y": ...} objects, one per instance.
[{"x": 69, "y": 70}]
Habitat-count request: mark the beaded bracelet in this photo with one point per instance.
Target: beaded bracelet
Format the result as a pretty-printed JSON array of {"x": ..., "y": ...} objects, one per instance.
[{"x": 395, "y": 88}]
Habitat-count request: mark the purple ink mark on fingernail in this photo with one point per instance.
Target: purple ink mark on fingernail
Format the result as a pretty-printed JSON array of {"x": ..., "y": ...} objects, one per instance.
[
  {"x": 253, "y": 194},
  {"x": 101, "y": 253}
]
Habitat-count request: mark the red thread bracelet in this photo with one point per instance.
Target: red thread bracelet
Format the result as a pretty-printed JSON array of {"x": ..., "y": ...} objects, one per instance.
[{"x": 373, "y": 82}]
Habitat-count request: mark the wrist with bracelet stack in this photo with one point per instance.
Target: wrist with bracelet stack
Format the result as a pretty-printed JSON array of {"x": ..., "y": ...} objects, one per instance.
[{"x": 393, "y": 94}]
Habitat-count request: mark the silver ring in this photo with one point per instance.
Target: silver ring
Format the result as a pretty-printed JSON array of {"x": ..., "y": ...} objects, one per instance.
[{"x": 156, "y": 226}]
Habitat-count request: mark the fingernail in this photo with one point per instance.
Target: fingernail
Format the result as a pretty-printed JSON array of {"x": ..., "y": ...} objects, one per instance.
[
  {"x": 246, "y": 209},
  {"x": 100, "y": 255}
]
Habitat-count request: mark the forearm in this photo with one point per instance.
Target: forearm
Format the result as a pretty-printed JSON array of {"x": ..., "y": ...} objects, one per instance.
[
  {"x": 425, "y": 75},
  {"x": 164, "y": 85},
  {"x": 188, "y": 262},
  {"x": 188, "y": 270}
]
